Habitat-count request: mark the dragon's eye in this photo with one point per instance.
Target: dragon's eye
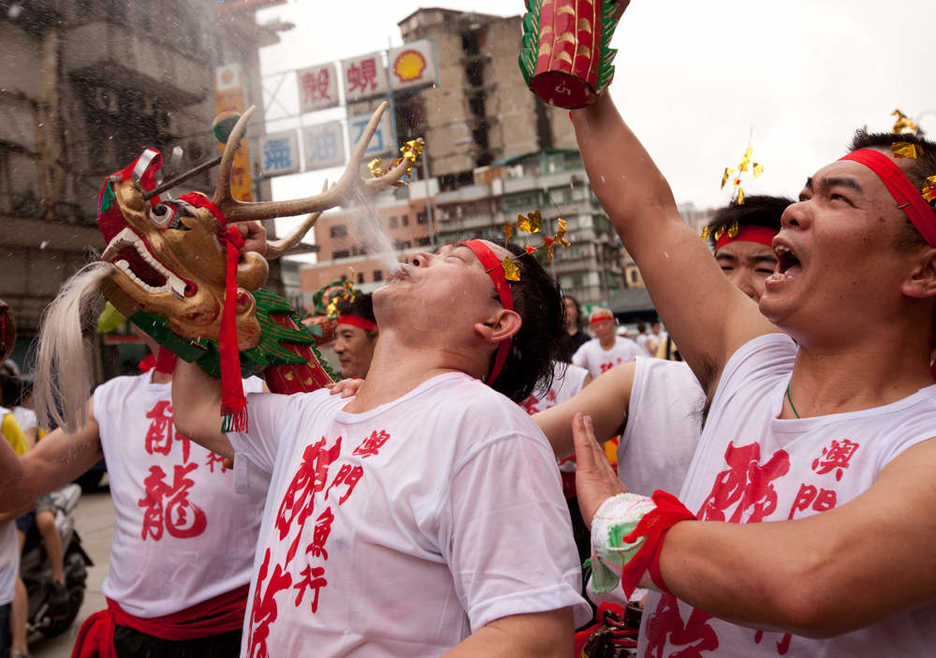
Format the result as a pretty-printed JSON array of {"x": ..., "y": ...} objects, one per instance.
[{"x": 166, "y": 216}]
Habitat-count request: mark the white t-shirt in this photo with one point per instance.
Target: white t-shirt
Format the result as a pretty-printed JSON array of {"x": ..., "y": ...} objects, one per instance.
[
  {"x": 399, "y": 531},
  {"x": 568, "y": 380},
  {"x": 664, "y": 421},
  {"x": 641, "y": 340},
  {"x": 752, "y": 466},
  {"x": 597, "y": 360},
  {"x": 9, "y": 548},
  {"x": 25, "y": 417},
  {"x": 182, "y": 535}
]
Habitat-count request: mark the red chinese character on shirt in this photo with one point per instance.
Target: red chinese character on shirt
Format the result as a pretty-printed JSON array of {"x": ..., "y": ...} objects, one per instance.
[
  {"x": 264, "y": 611},
  {"x": 820, "y": 499},
  {"x": 605, "y": 367},
  {"x": 551, "y": 396},
  {"x": 212, "y": 459},
  {"x": 360, "y": 77},
  {"x": 782, "y": 646},
  {"x": 349, "y": 476},
  {"x": 666, "y": 624},
  {"x": 311, "y": 578},
  {"x": 835, "y": 456},
  {"x": 320, "y": 535},
  {"x": 315, "y": 86},
  {"x": 530, "y": 405},
  {"x": 371, "y": 444},
  {"x": 298, "y": 502},
  {"x": 159, "y": 435},
  {"x": 746, "y": 483},
  {"x": 169, "y": 507}
]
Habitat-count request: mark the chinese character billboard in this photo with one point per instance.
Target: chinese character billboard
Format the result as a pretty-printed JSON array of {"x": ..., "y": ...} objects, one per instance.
[
  {"x": 279, "y": 153},
  {"x": 323, "y": 145},
  {"x": 318, "y": 87},
  {"x": 364, "y": 77},
  {"x": 229, "y": 97},
  {"x": 381, "y": 142},
  {"x": 413, "y": 65}
]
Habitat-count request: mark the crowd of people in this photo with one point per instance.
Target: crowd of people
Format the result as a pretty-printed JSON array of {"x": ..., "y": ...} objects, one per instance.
[{"x": 766, "y": 493}]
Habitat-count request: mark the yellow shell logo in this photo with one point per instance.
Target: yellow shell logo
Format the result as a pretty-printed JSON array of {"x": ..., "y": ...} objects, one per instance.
[{"x": 409, "y": 66}]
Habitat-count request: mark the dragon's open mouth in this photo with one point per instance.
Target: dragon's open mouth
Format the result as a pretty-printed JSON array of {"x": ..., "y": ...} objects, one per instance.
[{"x": 128, "y": 252}]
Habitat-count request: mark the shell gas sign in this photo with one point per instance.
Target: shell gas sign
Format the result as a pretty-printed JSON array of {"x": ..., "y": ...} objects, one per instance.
[{"x": 413, "y": 65}]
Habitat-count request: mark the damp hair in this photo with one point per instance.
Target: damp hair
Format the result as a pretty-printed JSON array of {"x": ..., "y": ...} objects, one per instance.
[
  {"x": 757, "y": 210},
  {"x": 362, "y": 306},
  {"x": 537, "y": 345},
  {"x": 917, "y": 170},
  {"x": 63, "y": 379}
]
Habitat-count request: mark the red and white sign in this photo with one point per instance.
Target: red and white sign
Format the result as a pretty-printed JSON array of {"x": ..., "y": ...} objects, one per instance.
[
  {"x": 364, "y": 77},
  {"x": 413, "y": 65},
  {"x": 318, "y": 87}
]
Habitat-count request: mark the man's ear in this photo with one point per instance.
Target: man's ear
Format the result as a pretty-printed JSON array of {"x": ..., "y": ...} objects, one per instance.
[
  {"x": 502, "y": 325},
  {"x": 922, "y": 280}
]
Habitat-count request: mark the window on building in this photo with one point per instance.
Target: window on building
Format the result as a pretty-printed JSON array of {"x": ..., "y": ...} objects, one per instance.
[
  {"x": 633, "y": 276},
  {"x": 422, "y": 218},
  {"x": 423, "y": 242},
  {"x": 360, "y": 277},
  {"x": 338, "y": 231},
  {"x": 378, "y": 275},
  {"x": 405, "y": 220},
  {"x": 393, "y": 222},
  {"x": 341, "y": 253}
]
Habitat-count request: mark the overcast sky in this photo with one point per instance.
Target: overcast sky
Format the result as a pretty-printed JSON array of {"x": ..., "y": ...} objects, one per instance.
[{"x": 696, "y": 78}]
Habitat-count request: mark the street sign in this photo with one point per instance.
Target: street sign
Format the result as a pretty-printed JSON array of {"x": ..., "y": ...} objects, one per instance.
[
  {"x": 364, "y": 77},
  {"x": 279, "y": 153},
  {"x": 318, "y": 87},
  {"x": 323, "y": 145},
  {"x": 413, "y": 65},
  {"x": 382, "y": 141}
]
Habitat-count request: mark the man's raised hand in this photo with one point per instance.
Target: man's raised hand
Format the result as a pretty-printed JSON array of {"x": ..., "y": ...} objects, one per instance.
[{"x": 595, "y": 480}]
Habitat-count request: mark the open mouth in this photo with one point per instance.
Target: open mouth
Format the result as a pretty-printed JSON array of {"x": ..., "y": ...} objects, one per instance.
[
  {"x": 788, "y": 264},
  {"x": 128, "y": 253}
]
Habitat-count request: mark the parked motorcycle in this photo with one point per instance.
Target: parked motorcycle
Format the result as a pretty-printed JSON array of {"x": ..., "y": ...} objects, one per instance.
[{"x": 47, "y": 617}]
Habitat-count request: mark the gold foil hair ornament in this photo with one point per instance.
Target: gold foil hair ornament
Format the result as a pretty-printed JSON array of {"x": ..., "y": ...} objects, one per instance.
[
  {"x": 508, "y": 231},
  {"x": 511, "y": 271},
  {"x": 929, "y": 189},
  {"x": 560, "y": 234},
  {"x": 906, "y": 150},
  {"x": 755, "y": 169},
  {"x": 903, "y": 123},
  {"x": 375, "y": 169},
  {"x": 706, "y": 231},
  {"x": 530, "y": 223},
  {"x": 726, "y": 176}
]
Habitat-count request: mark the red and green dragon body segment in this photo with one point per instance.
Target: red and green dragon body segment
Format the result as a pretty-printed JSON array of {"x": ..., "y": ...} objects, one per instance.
[{"x": 566, "y": 58}]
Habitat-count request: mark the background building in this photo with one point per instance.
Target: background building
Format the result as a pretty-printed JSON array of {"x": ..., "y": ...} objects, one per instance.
[
  {"x": 86, "y": 86},
  {"x": 493, "y": 150}
]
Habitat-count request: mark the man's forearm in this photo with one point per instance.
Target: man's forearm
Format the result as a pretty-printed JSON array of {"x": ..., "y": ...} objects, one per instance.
[
  {"x": 196, "y": 407},
  {"x": 544, "y": 635}
]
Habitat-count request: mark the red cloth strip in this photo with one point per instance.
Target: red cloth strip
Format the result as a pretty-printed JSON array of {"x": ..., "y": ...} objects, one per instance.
[
  {"x": 653, "y": 527},
  {"x": 222, "y": 614},
  {"x": 495, "y": 270},
  {"x": 358, "y": 321},
  {"x": 165, "y": 361},
  {"x": 905, "y": 193},
  {"x": 760, "y": 234},
  {"x": 233, "y": 402},
  {"x": 603, "y": 318}
]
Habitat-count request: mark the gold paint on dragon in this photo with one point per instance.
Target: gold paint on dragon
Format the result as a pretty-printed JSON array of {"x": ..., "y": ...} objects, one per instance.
[{"x": 177, "y": 270}]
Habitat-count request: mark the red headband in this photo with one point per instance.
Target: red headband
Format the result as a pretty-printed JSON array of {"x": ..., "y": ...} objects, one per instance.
[
  {"x": 752, "y": 233},
  {"x": 905, "y": 193},
  {"x": 358, "y": 321},
  {"x": 495, "y": 270},
  {"x": 601, "y": 318}
]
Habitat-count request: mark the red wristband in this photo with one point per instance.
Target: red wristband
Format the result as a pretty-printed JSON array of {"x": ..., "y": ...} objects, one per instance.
[{"x": 653, "y": 527}]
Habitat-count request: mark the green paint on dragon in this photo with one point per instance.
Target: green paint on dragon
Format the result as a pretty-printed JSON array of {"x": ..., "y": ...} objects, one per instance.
[{"x": 270, "y": 351}]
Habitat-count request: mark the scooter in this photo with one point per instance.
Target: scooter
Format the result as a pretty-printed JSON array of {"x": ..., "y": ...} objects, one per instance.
[{"x": 45, "y": 618}]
